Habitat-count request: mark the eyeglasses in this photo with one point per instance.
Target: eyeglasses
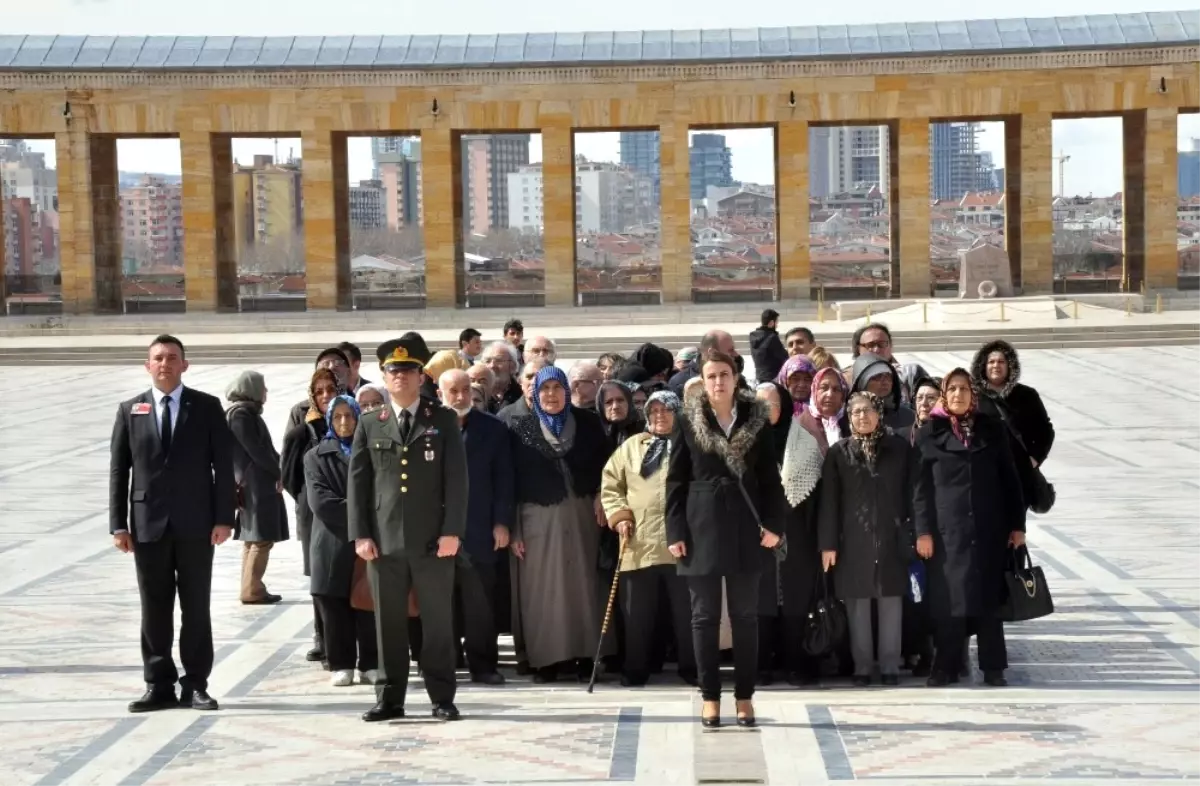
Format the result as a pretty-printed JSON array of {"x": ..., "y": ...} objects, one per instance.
[
  {"x": 861, "y": 412},
  {"x": 883, "y": 343}
]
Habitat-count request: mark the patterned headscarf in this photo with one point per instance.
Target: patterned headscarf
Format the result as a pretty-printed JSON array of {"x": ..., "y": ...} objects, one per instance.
[
  {"x": 343, "y": 442},
  {"x": 812, "y": 396},
  {"x": 796, "y": 364},
  {"x": 962, "y": 425},
  {"x": 659, "y": 444},
  {"x": 314, "y": 412},
  {"x": 555, "y": 423},
  {"x": 868, "y": 444}
]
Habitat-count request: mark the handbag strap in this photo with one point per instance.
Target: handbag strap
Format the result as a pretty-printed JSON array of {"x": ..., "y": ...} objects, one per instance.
[{"x": 1001, "y": 407}]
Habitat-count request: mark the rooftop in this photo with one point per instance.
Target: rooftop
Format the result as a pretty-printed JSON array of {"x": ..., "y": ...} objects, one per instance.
[{"x": 64, "y": 52}]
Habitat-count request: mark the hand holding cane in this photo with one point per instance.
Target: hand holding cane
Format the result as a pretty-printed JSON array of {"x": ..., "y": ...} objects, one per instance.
[{"x": 612, "y": 596}]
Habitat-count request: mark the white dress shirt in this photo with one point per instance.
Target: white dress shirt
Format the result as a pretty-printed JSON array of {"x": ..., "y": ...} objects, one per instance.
[
  {"x": 175, "y": 397},
  {"x": 412, "y": 408}
]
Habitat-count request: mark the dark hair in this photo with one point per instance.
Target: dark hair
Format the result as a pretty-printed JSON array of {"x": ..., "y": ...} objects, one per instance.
[
  {"x": 167, "y": 338},
  {"x": 351, "y": 351},
  {"x": 858, "y": 334},
  {"x": 717, "y": 356},
  {"x": 769, "y": 315},
  {"x": 468, "y": 335},
  {"x": 336, "y": 352},
  {"x": 514, "y": 324},
  {"x": 801, "y": 331}
]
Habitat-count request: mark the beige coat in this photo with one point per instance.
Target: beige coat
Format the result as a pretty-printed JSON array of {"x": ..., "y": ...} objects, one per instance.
[{"x": 627, "y": 496}]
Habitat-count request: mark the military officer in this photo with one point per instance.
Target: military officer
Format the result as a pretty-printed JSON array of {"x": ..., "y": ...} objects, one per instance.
[{"x": 407, "y": 507}]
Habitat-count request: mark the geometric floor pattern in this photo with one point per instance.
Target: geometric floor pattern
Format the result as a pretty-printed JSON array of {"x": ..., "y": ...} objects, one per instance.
[{"x": 1107, "y": 690}]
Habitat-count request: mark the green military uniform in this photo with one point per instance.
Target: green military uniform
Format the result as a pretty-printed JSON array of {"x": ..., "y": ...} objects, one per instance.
[{"x": 404, "y": 494}]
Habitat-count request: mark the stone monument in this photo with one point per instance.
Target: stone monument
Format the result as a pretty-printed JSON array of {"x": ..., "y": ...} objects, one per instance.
[{"x": 980, "y": 263}]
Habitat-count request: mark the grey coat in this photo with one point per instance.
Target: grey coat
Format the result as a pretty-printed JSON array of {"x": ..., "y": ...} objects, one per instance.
[
  {"x": 261, "y": 515},
  {"x": 331, "y": 552}
]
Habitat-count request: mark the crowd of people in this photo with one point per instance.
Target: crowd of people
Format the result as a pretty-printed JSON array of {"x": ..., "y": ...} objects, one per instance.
[{"x": 486, "y": 490}]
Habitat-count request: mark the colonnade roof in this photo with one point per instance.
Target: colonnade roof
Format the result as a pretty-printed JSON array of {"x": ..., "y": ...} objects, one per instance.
[{"x": 65, "y": 52}]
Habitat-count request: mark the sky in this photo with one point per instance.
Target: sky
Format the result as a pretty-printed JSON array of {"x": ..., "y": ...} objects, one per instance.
[{"x": 1094, "y": 145}]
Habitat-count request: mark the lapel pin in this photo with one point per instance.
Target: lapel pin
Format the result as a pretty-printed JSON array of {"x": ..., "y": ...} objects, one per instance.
[{"x": 141, "y": 408}]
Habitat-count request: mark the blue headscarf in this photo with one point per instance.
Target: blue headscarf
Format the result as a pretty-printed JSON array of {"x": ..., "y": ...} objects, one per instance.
[
  {"x": 556, "y": 423},
  {"x": 343, "y": 443}
]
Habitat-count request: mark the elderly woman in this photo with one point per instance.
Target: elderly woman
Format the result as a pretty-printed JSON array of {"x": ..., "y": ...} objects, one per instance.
[
  {"x": 863, "y": 530},
  {"x": 825, "y": 414},
  {"x": 348, "y": 631},
  {"x": 968, "y": 510},
  {"x": 322, "y": 388},
  {"x": 372, "y": 396},
  {"x": 559, "y": 451},
  {"x": 633, "y": 492},
  {"x": 796, "y": 377},
  {"x": 724, "y": 504},
  {"x": 261, "y": 518},
  {"x": 618, "y": 413}
]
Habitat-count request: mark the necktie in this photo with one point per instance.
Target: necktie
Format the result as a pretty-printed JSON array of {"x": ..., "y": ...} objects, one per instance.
[
  {"x": 166, "y": 424},
  {"x": 405, "y": 424}
]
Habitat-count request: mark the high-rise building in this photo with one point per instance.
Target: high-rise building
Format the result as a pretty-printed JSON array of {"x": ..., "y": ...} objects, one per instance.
[
  {"x": 711, "y": 163},
  {"x": 525, "y": 199},
  {"x": 1189, "y": 171},
  {"x": 956, "y": 165},
  {"x": 152, "y": 225},
  {"x": 267, "y": 203},
  {"x": 23, "y": 175},
  {"x": 847, "y": 158},
  {"x": 609, "y": 198},
  {"x": 29, "y": 210},
  {"x": 400, "y": 174},
  {"x": 367, "y": 205},
  {"x": 487, "y": 161},
  {"x": 641, "y": 151},
  {"x": 819, "y": 183}
]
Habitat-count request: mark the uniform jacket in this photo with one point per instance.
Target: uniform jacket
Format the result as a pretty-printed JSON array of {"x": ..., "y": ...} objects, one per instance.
[
  {"x": 627, "y": 496},
  {"x": 490, "y": 472},
  {"x": 405, "y": 494},
  {"x": 865, "y": 516},
  {"x": 705, "y": 508},
  {"x": 256, "y": 469},
  {"x": 191, "y": 490},
  {"x": 969, "y": 500},
  {"x": 331, "y": 551}
]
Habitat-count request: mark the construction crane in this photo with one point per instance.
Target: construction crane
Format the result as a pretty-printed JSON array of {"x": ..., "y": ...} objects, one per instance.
[{"x": 1062, "y": 166}]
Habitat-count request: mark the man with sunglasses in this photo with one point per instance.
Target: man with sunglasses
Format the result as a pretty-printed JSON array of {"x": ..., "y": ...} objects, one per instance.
[{"x": 874, "y": 338}]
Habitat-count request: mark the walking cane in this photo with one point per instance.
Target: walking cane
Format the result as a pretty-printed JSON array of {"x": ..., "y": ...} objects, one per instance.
[{"x": 612, "y": 595}]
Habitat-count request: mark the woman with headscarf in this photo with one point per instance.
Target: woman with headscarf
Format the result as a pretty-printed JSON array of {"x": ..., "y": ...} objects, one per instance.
[
  {"x": 372, "y": 396},
  {"x": 633, "y": 492},
  {"x": 322, "y": 388},
  {"x": 349, "y": 633},
  {"x": 261, "y": 519},
  {"x": 825, "y": 415},
  {"x": 724, "y": 505},
  {"x": 968, "y": 510},
  {"x": 863, "y": 530},
  {"x": 559, "y": 451},
  {"x": 796, "y": 377},
  {"x": 996, "y": 372},
  {"x": 614, "y": 404}
]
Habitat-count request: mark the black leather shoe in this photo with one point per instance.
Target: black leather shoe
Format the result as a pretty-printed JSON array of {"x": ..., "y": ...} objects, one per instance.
[
  {"x": 995, "y": 679},
  {"x": 197, "y": 699},
  {"x": 155, "y": 700},
  {"x": 861, "y": 681},
  {"x": 383, "y": 710},
  {"x": 265, "y": 600},
  {"x": 315, "y": 654},
  {"x": 890, "y": 680},
  {"x": 940, "y": 679},
  {"x": 802, "y": 679},
  {"x": 523, "y": 669},
  {"x": 446, "y": 711},
  {"x": 490, "y": 678},
  {"x": 545, "y": 675}
]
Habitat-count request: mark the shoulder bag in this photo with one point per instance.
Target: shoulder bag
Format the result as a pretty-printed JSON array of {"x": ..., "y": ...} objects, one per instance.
[
  {"x": 1028, "y": 594},
  {"x": 780, "y": 549},
  {"x": 1042, "y": 495}
]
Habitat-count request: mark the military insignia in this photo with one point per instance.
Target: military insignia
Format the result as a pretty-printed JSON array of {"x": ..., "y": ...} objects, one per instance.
[
  {"x": 141, "y": 409},
  {"x": 432, "y": 432},
  {"x": 428, "y": 412},
  {"x": 384, "y": 411},
  {"x": 399, "y": 355},
  {"x": 429, "y": 455}
]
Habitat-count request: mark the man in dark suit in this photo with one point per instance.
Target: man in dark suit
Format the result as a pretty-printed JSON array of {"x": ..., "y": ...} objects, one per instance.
[
  {"x": 175, "y": 446},
  {"x": 407, "y": 509},
  {"x": 490, "y": 508}
]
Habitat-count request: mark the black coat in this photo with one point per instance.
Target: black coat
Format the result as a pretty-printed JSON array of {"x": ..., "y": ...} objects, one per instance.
[
  {"x": 490, "y": 486},
  {"x": 793, "y": 580},
  {"x": 769, "y": 355},
  {"x": 296, "y": 443},
  {"x": 540, "y": 479},
  {"x": 256, "y": 468},
  {"x": 969, "y": 500},
  {"x": 705, "y": 508},
  {"x": 865, "y": 517},
  {"x": 331, "y": 552}
]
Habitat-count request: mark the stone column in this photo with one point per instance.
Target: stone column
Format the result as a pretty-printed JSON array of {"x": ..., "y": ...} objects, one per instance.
[
  {"x": 676, "y": 218},
  {"x": 1029, "y": 200},
  {"x": 908, "y": 161},
  {"x": 558, "y": 210},
  {"x": 210, "y": 263},
  {"x": 106, "y": 224},
  {"x": 1151, "y": 197},
  {"x": 791, "y": 191},
  {"x": 326, "y": 184},
  {"x": 441, "y": 200}
]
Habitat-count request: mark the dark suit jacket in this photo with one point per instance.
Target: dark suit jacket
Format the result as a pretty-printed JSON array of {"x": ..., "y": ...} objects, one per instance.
[
  {"x": 191, "y": 490},
  {"x": 405, "y": 494},
  {"x": 490, "y": 470}
]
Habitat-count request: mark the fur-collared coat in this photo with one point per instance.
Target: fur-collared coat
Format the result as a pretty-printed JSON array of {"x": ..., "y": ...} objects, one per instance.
[{"x": 705, "y": 508}]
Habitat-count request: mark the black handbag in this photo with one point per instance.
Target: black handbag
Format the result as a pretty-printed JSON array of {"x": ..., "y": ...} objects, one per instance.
[
  {"x": 1041, "y": 493},
  {"x": 1028, "y": 594},
  {"x": 826, "y": 628}
]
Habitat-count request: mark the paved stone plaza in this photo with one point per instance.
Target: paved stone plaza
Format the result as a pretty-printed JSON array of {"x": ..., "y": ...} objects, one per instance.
[{"x": 1105, "y": 691}]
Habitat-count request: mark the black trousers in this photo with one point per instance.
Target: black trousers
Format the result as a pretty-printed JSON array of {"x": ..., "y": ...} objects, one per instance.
[
  {"x": 781, "y": 645},
  {"x": 741, "y": 590},
  {"x": 474, "y": 595},
  {"x": 349, "y": 635},
  {"x": 318, "y": 626},
  {"x": 917, "y": 636},
  {"x": 167, "y": 567},
  {"x": 951, "y": 632},
  {"x": 391, "y": 576},
  {"x": 641, "y": 592}
]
